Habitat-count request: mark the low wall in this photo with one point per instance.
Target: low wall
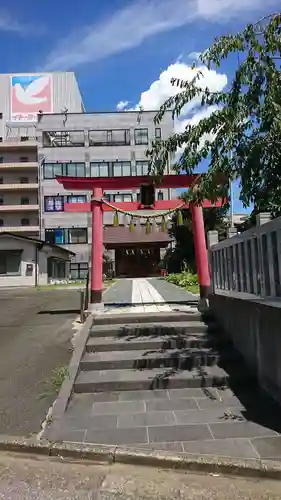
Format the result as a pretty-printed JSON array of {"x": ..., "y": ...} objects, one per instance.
[{"x": 254, "y": 325}]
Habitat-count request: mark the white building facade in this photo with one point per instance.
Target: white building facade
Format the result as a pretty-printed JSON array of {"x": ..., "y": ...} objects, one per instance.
[{"x": 22, "y": 96}]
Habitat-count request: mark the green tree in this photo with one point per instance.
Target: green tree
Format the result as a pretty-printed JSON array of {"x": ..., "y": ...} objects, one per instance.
[{"x": 242, "y": 137}]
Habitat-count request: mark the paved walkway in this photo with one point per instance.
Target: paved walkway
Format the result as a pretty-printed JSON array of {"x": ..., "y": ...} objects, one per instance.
[{"x": 146, "y": 295}]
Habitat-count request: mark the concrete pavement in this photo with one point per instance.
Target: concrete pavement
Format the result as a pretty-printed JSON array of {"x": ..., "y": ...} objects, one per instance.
[
  {"x": 35, "y": 334},
  {"x": 42, "y": 478}
]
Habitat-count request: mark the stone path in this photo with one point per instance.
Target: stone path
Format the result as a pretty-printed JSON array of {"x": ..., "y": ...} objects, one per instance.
[
  {"x": 158, "y": 375},
  {"x": 146, "y": 295}
]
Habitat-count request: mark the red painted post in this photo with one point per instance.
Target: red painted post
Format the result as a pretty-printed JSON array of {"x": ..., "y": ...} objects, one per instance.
[
  {"x": 97, "y": 247},
  {"x": 201, "y": 253}
]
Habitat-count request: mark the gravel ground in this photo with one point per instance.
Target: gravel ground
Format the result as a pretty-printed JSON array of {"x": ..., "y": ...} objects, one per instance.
[
  {"x": 35, "y": 334},
  {"x": 43, "y": 478}
]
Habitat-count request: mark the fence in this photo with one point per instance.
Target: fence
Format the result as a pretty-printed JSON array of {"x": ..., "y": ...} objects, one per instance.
[{"x": 248, "y": 262}]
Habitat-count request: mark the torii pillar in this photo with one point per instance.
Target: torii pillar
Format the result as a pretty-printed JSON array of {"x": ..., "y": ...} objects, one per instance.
[
  {"x": 201, "y": 252},
  {"x": 97, "y": 251}
]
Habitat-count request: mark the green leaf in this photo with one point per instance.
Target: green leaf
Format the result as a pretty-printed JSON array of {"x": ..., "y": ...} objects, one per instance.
[{"x": 242, "y": 136}]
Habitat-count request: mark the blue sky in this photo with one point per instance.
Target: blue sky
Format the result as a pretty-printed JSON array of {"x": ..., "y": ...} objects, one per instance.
[{"x": 122, "y": 50}]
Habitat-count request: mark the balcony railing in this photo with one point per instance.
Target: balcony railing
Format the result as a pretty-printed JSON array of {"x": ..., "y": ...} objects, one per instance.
[
  {"x": 19, "y": 143},
  {"x": 24, "y": 165},
  {"x": 19, "y": 208},
  {"x": 19, "y": 229},
  {"x": 23, "y": 186}
]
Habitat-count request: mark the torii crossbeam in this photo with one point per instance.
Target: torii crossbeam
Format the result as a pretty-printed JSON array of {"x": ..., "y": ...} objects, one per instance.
[{"x": 98, "y": 185}]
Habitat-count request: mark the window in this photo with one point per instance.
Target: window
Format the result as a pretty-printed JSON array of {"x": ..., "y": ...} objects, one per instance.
[
  {"x": 99, "y": 169},
  {"x": 10, "y": 261},
  {"x": 63, "y": 236},
  {"x": 118, "y": 137},
  {"x": 160, "y": 196},
  {"x": 141, "y": 136},
  {"x": 54, "y": 203},
  {"x": 25, "y": 222},
  {"x": 79, "y": 198},
  {"x": 1, "y": 180},
  {"x": 121, "y": 168},
  {"x": 55, "y": 236},
  {"x": 79, "y": 271},
  {"x": 1, "y": 159},
  {"x": 1, "y": 222},
  {"x": 78, "y": 235},
  {"x": 24, "y": 180},
  {"x": 24, "y": 201},
  {"x": 74, "y": 169},
  {"x": 158, "y": 133},
  {"x": 142, "y": 167},
  {"x": 23, "y": 159},
  {"x": 52, "y": 170},
  {"x": 70, "y": 138},
  {"x": 1, "y": 201},
  {"x": 122, "y": 197}
]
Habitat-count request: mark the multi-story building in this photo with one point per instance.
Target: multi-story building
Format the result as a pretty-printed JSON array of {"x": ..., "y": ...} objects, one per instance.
[
  {"x": 96, "y": 145},
  {"x": 22, "y": 97}
]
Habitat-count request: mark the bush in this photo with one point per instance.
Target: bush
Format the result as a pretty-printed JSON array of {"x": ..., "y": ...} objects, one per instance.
[{"x": 184, "y": 279}]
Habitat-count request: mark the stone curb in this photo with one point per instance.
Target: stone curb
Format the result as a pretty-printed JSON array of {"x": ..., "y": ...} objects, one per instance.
[
  {"x": 250, "y": 468},
  {"x": 61, "y": 403}
]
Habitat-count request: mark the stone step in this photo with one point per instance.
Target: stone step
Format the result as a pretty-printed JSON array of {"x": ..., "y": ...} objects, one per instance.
[
  {"x": 155, "y": 328},
  {"x": 142, "y": 359},
  {"x": 162, "y": 317},
  {"x": 103, "y": 344},
  {"x": 157, "y": 378}
]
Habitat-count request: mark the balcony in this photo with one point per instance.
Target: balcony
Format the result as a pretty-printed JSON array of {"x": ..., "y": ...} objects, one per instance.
[
  {"x": 15, "y": 143},
  {"x": 19, "y": 229},
  {"x": 19, "y": 186},
  {"x": 19, "y": 208},
  {"x": 24, "y": 165}
]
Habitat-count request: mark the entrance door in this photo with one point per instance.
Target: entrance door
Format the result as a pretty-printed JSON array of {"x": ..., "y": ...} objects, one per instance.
[{"x": 137, "y": 262}]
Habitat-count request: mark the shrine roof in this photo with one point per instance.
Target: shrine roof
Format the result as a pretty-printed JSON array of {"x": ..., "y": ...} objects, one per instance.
[{"x": 117, "y": 236}]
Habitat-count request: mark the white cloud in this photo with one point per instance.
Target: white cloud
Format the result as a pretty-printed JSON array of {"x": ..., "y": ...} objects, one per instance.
[
  {"x": 142, "y": 19},
  {"x": 8, "y": 23},
  {"x": 194, "y": 56},
  {"x": 122, "y": 105},
  {"x": 160, "y": 90}
]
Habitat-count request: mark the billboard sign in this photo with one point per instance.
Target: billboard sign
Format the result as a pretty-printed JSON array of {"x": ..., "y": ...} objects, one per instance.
[{"x": 29, "y": 95}]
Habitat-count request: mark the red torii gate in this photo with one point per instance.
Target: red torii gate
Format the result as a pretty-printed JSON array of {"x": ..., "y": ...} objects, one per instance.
[{"x": 97, "y": 185}]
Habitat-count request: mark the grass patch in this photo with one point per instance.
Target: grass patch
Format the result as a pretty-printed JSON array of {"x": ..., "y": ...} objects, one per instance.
[
  {"x": 185, "y": 280},
  {"x": 76, "y": 284},
  {"x": 58, "y": 286},
  {"x": 53, "y": 385}
]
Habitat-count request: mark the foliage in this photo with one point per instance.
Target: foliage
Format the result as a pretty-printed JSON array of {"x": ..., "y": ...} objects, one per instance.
[
  {"x": 54, "y": 384},
  {"x": 186, "y": 280},
  {"x": 242, "y": 137},
  {"x": 183, "y": 255}
]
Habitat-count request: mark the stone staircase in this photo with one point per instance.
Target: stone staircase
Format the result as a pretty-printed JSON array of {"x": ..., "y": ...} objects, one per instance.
[
  {"x": 164, "y": 350},
  {"x": 168, "y": 381}
]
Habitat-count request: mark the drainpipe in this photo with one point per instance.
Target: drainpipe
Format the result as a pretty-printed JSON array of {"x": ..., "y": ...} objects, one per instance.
[
  {"x": 40, "y": 195},
  {"x": 36, "y": 266}
]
